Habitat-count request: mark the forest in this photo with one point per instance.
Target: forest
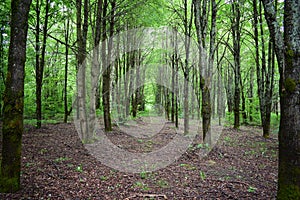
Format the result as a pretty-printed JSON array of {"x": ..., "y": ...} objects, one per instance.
[{"x": 131, "y": 99}]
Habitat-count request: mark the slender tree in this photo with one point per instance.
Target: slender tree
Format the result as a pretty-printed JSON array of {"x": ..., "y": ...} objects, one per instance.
[
  {"x": 236, "y": 38},
  {"x": 106, "y": 61},
  {"x": 14, "y": 98},
  {"x": 40, "y": 58},
  {"x": 264, "y": 71},
  {"x": 67, "y": 36}
]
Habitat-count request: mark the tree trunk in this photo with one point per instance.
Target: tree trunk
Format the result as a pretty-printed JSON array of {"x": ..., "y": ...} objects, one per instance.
[
  {"x": 236, "y": 35},
  {"x": 41, "y": 65},
  {"x": 37, "y": 66},
  {"x": 82, "y": 30},
  {"x": 288, "y": 63},
  {"x": 250, "y": 95},
  {"x": 206, "y": 67},
  {"x": 244, "y": 114},
  {"x": 176, "y": 80},
  {"x": 173, "y": 84},
  {"x": 220, "y": 97},
  {"x": 186, "y": 67},
  {"x": 289, "y": 137},
  {"x": 107, "y": 65},
  {"x": 276, "y": 35},
  {"x": 229, "y": 89},
  {"x": 268, "y": 92},
  {"x": 12, "y": 129},
  {"x": 67, "y": 32},
  {"x": 95, "y": 71}
]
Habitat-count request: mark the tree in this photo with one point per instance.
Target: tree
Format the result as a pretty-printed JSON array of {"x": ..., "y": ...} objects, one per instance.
[
  {"x": 201, "y": 24},
  {"x": 264, "y": 72},
  {"x": 106, "y": 65},
  {"x": 82, "y": 29},
  {"x": 236, "y": 37},
  {"x": 289, "y": 132},
  {"x": 14, "y": 98},
  {"x": 287, "y": 51},
  {"x": 4, "y": 29},
  {"x": 40, "y": 59},
  {"x": 67, "y": 36}
]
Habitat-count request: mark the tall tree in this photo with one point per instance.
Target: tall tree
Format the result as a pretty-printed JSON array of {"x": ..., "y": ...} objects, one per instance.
[
  {"x": 67, "y": 36},
  {"x": 264, "y": 71},
  {"x": 4, "y": 22},
  {"x": 40, "y": 58},
  {"x": 289, "y": 132},
  {"x": 106, "y": 63},
  {"x": 201, "y": 23},
  {"x": 236, "y": 38},
  {"x": 287, "y": 52},
  {"x": 82, "y": 30},
  {"x": 14, "y": 98},
  {"x": 187, "y": 22}
]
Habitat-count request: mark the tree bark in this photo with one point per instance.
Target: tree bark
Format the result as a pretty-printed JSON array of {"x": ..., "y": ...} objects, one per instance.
[
  {"x": 276, "y": 35},
  {"x": 40, "y": 65},
  {"x": 95, "y": 72},
  {"x": 107, "y": 64},
  {"x": 82, "y": 29},
  {"x": 288, "y": 58},
  {"x": 289, "y": 137},
  {"x": 67, "y": 34},
  {"x": 12, "y": 129},
  {"x": 236, "y": 35},
  {"x": 201, "y": 24}
]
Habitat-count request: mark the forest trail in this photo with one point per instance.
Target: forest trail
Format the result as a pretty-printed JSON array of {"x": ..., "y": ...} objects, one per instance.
[{"x": 56, "y": 165}]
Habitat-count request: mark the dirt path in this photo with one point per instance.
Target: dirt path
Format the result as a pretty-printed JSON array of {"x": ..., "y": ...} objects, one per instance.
[{"x": 55, "y": 165}]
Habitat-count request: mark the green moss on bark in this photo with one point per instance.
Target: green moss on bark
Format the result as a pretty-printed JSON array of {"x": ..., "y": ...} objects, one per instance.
[
  {"x": 289, "y": 192},
  {"x": 290, "y": 84},
  {"x": 8, "y": 185}
]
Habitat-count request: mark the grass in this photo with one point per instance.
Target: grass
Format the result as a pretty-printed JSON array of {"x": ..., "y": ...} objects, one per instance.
[
  {"x": 79, "y": 168},
  {"x": 252, "y": 189},
  {"x": 275, "y": 120},
  {"x": 251, "y": 152},
  {"x": 202, "y": 175},
  {"x": 103, "y": 178},
  {"x": 29, "y": 164},
  {"x": 32, "y": 122},
  {"x": 143, "y": 175},
  {"x": 227, "y": 139},
  {"x": 43, "y": 150},
  {"x": 162, "y": 183},
  {"x": 141, "y": 185},
  {"x": 187, "y": 166},
  {"x": 61, "y": 159}
]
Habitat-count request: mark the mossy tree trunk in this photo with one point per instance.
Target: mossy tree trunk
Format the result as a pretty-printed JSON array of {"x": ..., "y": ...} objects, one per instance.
[
  {"x": 200, "y": 12},
  {"x": 287, "y": 53},
  {"x": 289, "y": 131},
  {"x": 14, "y": 99}
]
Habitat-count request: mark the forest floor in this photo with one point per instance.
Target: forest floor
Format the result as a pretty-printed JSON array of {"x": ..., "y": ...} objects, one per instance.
[{"x": 56, "y": 165}]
